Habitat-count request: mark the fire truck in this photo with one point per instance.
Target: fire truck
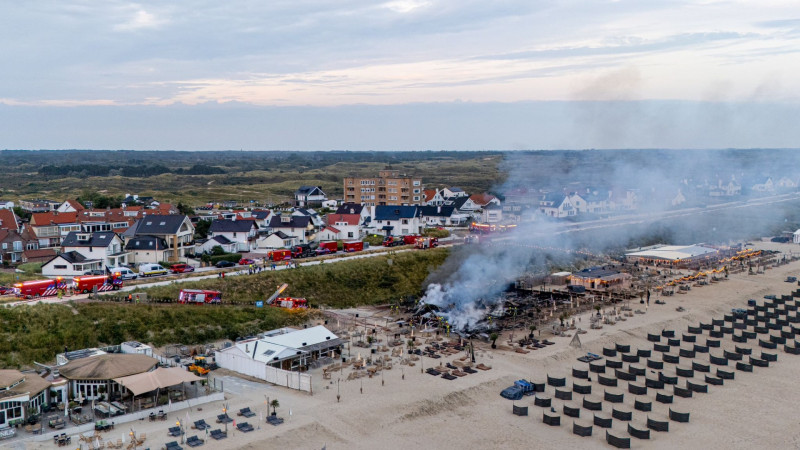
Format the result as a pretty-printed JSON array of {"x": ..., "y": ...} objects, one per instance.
[
  {"x": 280, "y": 255},
  {"x": 393, "y": 241},
  {"x": 39, "y": 288},
  {"x": 286, "y": 302},
  {"x": 103, "y": 283},
  {"x": 199, "y": 296},
  {"x": 427, "y": 242}
]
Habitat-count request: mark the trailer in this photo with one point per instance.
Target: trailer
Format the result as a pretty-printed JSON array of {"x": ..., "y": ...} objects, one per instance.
[
  {"x": 39, "y": 288},
  {"x": 353, "y": 246},
  {"x": 199, "y": 296},
  {"x": 331, "y": 246},
  {"x": 100, "y": 283}
]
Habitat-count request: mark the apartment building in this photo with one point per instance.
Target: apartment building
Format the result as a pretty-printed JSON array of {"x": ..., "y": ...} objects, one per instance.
[{"x": 388, "y": 188}]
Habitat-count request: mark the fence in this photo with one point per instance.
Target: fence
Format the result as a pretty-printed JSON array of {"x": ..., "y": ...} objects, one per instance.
[{"x": 247, "y": 366}]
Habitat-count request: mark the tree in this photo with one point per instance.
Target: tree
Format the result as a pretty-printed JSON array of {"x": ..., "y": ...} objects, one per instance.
[
  {"x": 183, "y": 209},
  {"x": 564, "y": 316},
  {"x": 274, "y": 404},
  {"x": 201, "y": 229},
  {"x": 494, "y": 337}
]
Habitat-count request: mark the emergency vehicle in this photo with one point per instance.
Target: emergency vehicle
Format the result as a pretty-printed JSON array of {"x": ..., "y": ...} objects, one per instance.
[
  {"x": 286, "y": 302},
  {"x": 39, "y": 288},
  {"x": 103, "y": 283},
  {"x": 280, "y": 255},
  {"x": 199, "y": 296},
  {"x": 427, "y": 242},
  {"x": 353, "y": 246}
]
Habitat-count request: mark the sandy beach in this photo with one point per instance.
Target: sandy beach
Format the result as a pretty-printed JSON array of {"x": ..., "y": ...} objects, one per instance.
[{"x": 409, "y": 409}]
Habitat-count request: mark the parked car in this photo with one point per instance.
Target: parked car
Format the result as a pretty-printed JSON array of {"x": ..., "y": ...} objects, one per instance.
[
  {"x": 322, "y": 251},
  {"x": 181, "y": 268},
  {"x": 246, "y": 262},
  {"x": 95, "y": 272},
  {"x": 222, "y": 264}
]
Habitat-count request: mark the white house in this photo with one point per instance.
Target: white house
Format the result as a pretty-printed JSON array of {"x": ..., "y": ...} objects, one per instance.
[
  {"x": 275, "y": 240},
  {"x": 105, "y": 246},
  {"x": 6, "y": 204},
  {"x": 177, "y": 232},
  {"x": 679, "y": 199},
  {"x": 70, "y": 264},
  {"x": 309, "y": 196},
  {"x": 242, "y": 231},
  {"x": 478, "y": 201},
  {"x": 398, "y": 220},
  {"x": 492, "y": 213},
  {"x": 796, "y": 237},
  {"x": 298, "y": 226},
  {"x": 348, "y": 226},
  {"x": 208, "y": 245},
  {"x": 285, "y": 348},
  {"x": 70, "y": 206},
  {"x": 437, "y": 216},
  {"x": 763, "y": 185},
  {"x": 452, "y": 192},
  {"x": 432, "y": 197},
  {"x": 557, "y": 205},
  {"x": 784, "y": 183},
  {"x": 147, "y": 249}
]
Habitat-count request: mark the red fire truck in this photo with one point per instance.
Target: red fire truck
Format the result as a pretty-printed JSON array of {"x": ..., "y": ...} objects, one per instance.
[
  {"x": 280, "y": 255},
  {"x": 410, "y": 239},
  {"x": 103, "y": 283},
  {"x": 332, "y": 246},
  {"x": 39, "y": 288},
  {"x": 353, "y": 246},
  {"x": 427, "y": 242},
  {"x": 286, "y": 302},
  {"x": 199, "y": 296}
]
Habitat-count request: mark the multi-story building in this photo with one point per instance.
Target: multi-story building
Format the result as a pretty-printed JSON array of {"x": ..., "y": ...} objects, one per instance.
[{"x": 388, "y": 188}]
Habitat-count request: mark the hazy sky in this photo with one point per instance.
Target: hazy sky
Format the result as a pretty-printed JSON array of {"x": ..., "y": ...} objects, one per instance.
[{"x": 401, "y": 74}]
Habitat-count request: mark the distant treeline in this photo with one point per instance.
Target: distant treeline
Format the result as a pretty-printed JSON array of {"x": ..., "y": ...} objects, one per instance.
[{"x": 97, "y": 170}]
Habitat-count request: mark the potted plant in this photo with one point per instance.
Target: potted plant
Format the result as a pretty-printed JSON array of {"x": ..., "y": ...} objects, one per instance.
[
  {"x": 274, "y": 404},
  {"x": 494, "y": 337}
]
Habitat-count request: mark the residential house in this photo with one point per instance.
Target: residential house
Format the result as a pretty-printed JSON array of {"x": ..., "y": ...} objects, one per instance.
[
  {"x": 624, "y": 200},
  {"x": 177, "y": 231},
  {"x": 730, "y": 189},
  {"x": 432, "y": 197},
  {"x": 207, "y": 246},
  {"x": 330, "y": 204},
  {"x": 478, "y": 201},
  {"x": 307, "y": 196},
  {"x": 105, "y": 246},
  {"x": 596, "y": 202},
  {"x": 491, "y": 213},
  {"x": 452, "y": 192},
  {"x": 147, "y": 249},
  {"x": 342, "y": 226},
  {"x": 70, "y": 206},
  {"x": 11, "y": 246},
  {"x": 398, "y": 220},
  {"x": 785, "y": 184},
  {"x": 316, "y": 220},
  {"x": 275, "y": 240},
  {"x": 557, "y": 205},
  {"x": 438, "y": 216},
  {"x": 9, "y": 220},
  {"x": 678, "y": 199},
  {"x": 354, "y": 208},
  {"x": 50, "y": 227},
  {"x": 38, "y": 205},
  {"x": 38, "y": 255},
  {"x": 70, "y": 264},
  {"x": 243, "y": 232},
  {"x": 298, "y": 226},
  {"x": 6, "y": 204},
  {"x": 764, "y": 184},
  {"x": 518, "y": 212}
]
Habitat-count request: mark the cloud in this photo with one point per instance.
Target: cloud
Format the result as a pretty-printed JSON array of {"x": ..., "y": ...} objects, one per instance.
[{"x": 140, "y": 19}]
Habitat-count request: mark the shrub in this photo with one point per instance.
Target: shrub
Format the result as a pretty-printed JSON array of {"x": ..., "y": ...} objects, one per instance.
[
  {"x": 232, "y": 257},
  {"x": 374, "y": 240},
  {"x": 435, "y": 232}
]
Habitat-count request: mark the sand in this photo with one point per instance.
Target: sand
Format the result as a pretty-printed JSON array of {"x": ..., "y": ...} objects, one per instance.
[{"x": 756, "y": 410}]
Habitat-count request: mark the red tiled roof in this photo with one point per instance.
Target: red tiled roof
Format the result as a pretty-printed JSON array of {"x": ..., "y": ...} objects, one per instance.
[
  {"x": 429, "y": 193},
  {"x": 53, "y": 218},
  {"x": 8, "y": 220},
  {"x": 75, "y": 205},
  {"x": 482, "y": 199},
  {"x": 350, "y": 219},
  {"x": 334, "y": 229},
  {"x": 40, "y": 253}
]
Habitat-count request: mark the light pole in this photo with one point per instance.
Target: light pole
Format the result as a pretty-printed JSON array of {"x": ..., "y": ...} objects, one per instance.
[{"x": 225, "y": 412}]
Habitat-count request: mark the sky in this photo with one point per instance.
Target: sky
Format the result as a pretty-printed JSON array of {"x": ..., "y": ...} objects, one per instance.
[{"x": 399, "y": 74}]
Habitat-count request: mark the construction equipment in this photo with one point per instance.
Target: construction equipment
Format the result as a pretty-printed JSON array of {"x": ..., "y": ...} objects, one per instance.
[{"x": 286, "y": 302}]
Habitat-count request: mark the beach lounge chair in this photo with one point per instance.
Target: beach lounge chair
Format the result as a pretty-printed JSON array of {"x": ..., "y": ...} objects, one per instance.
[
  {"x": 218, "y": 434},
  {"x": 175, "y": 431},
  {"x": 246, "y": 412},
  {"x": 224, "y": 418},
  {"x": 244, "y": 427},
  {"x": 201, "y": 425},
  {"x": 173, "y": 446},
  {"x": 274, "y": 420},
  {"x": 194, "y": 441}
]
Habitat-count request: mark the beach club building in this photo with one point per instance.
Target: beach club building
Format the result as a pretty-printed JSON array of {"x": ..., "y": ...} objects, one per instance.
[
  {"x": 20, "y": 393},
  {"x": 93, "y": 376},
  {"x": 601, "y": 278},
  {"x": 284, "y": 348},
  {"x": 673, "y": 255}
]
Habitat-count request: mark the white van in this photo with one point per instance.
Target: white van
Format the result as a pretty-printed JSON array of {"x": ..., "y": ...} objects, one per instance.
[
  {"x": 123, "y": 272},
  {"x": 151, "y": 270}
]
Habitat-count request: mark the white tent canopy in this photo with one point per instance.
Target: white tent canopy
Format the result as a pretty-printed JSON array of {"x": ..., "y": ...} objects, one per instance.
[{"x": 160, "y": 378}]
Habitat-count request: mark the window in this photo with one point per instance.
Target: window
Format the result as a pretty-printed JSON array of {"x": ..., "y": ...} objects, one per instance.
[
  {"x": 60, "y": 266},
  {"x": 17, "y": 246},
  {"x": 416, "y": 198},
  {"x": 416, "y": 191},
  {"x": 349, "y": 234},
  {"x": 417, "y": 183},
  {"x": 5, "y": 246}
]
